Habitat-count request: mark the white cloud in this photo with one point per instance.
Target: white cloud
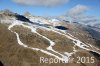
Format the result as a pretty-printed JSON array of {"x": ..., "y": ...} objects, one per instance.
[
  {"x": 47, "y": 3},
  {"x": 77, "y": 14},
  {"x": 77, "y": 10}
]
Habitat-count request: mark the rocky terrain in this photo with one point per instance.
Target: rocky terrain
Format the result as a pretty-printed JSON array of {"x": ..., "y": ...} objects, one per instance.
[{"x": 26, "y": 38}]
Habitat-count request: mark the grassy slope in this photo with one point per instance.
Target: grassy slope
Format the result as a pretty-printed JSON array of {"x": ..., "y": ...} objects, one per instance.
[{"x": 12, "y": 54}]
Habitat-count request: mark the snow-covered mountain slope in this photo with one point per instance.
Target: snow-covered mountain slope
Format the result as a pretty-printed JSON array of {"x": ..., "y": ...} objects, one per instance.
[
  {"x": 23, "y": 41},
  {"x": 44, "y": 20}
]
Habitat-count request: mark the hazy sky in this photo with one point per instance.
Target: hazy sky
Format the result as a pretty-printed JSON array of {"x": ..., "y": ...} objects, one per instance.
[{"x": 53, "y": 7}]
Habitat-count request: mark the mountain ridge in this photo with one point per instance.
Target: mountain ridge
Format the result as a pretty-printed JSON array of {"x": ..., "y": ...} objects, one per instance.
[{"x": 42, "y": 38}]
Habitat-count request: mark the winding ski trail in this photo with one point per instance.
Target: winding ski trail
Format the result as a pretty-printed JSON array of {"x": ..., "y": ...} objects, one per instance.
[{"x": 65, "y": 55}]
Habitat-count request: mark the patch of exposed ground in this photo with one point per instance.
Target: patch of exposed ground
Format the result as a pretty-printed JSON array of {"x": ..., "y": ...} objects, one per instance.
[
  {"x": 62, "y": 44},
  {"x": 31, "y": 39},
  {"x": 82, "y": 35}
]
